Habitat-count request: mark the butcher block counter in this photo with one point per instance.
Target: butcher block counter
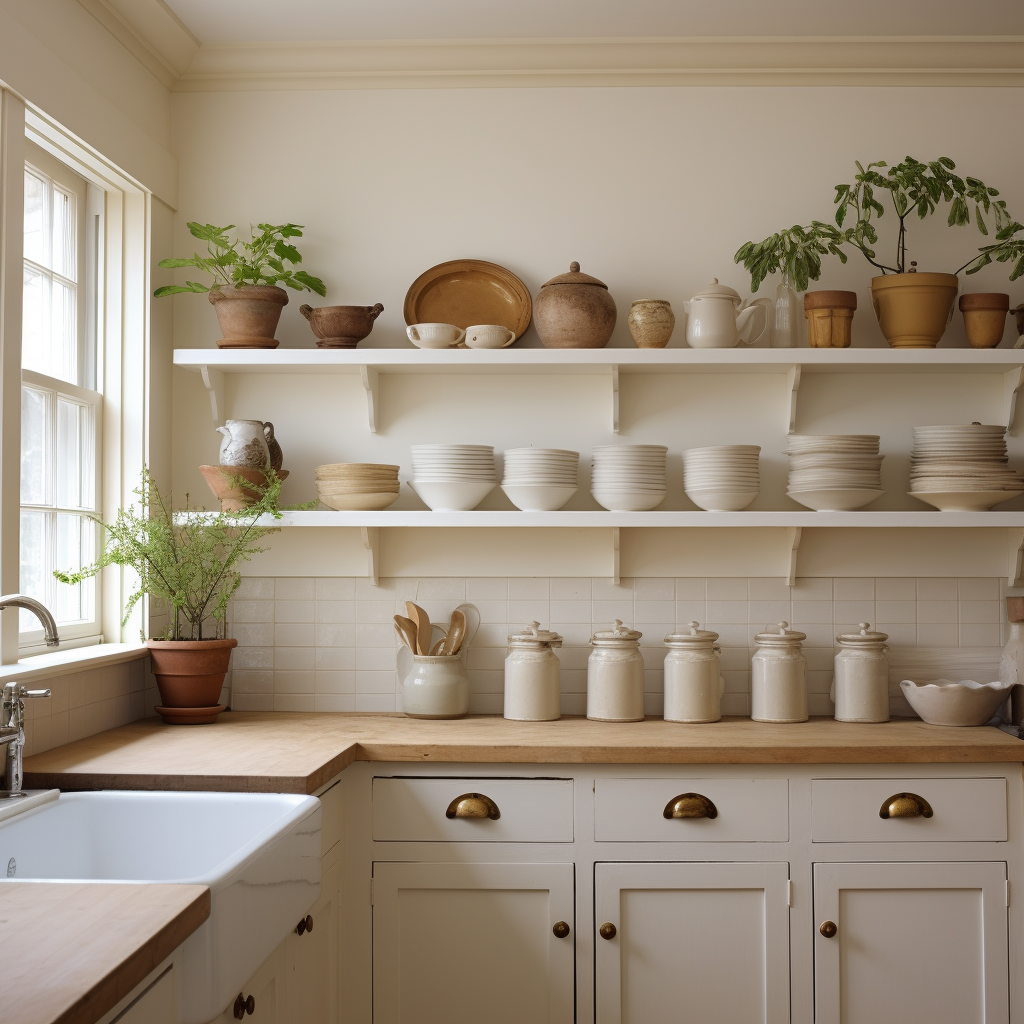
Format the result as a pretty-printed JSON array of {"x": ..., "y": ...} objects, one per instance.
[
  {"x": 72, "y": 952},
  {"x": 302, "y": 753}
]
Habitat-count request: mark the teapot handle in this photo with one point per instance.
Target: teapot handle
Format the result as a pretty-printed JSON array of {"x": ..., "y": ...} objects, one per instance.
[{"x": 765, "y": 305}]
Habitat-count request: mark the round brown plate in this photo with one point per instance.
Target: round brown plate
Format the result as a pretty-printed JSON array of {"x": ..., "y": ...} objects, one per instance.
[
  {"x": 467, "y": 293},
  {"x": 189, "y": 716}
]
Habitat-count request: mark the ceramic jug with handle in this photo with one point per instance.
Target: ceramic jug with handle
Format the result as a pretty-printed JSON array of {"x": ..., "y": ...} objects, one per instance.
[
  {"x": 244, "y": 444},
  {"x": 718, "y": 318}
]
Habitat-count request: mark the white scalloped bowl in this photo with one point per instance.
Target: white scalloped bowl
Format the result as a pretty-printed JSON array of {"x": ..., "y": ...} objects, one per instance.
[{"x": 945, "y": 702}]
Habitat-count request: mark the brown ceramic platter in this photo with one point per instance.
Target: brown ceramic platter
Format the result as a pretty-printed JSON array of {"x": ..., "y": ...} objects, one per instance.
[{"x": 467, "y": 293}]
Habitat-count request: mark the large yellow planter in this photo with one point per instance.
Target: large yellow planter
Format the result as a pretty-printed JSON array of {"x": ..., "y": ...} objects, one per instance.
[{"x": 914, "y": 309}]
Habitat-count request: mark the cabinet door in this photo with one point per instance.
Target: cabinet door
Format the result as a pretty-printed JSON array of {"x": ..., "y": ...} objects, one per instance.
[
  {"x": 913, "y": 942},
  {"x": 312, "y": 959},
  {"x": 465, "y": 943},
  {"x": 693, "y": 943},
  {"x": 266, "y": 987}
]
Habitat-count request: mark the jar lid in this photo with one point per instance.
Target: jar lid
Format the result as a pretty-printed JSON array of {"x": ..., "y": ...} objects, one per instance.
[
  {"x": 714, "y": 290},
  {"x": 617, "y": 632},
  {"x": 533, "y": 634},
  {"x": 574, "y": 277},
  {"x": 693, "y": 636},
  {"x": 780, "y": 635},
  {"x": 865, "y": 638}
]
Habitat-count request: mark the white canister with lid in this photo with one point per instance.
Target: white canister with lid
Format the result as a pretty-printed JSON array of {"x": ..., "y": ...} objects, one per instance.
[
  {"x": 615, "y": 675},
  {"x": 532, "y": 676},
  {"x": 693, "y": 676},
  {"x": 860, "y": 688},
  {"x": 778, "y": 676}
]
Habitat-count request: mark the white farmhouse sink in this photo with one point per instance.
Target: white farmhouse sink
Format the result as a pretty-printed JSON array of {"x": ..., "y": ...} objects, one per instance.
[{"x": 258, "y": 852}]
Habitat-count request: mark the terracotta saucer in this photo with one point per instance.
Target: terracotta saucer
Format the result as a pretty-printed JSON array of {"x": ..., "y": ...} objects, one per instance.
[{"x": 189, "y": 716}]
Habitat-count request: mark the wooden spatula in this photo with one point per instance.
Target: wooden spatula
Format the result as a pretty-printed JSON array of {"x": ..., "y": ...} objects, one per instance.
[
  {"x": 456, "y": 634},
  {"x": 406, "y": 629},
  {"x": 423, "y": 630}
]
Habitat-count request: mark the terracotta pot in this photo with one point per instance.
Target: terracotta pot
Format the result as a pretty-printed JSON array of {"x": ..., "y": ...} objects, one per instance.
[
  {"x": 829, "y": 316},
  {"x": 574, "y": 310},
  {"x": 914, "y": 309},
  {"x": 248, "y": 315},
  {"x": 233, "y": 496},
  {"x": 984, "y": 317},
  {"x": 190, "y": 673},
  {"x": 651, "y": 322},
  {"x": 341, "y": 326}
]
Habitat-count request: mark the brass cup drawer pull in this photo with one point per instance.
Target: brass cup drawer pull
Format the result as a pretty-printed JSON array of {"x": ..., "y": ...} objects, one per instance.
[
  {"x": 473, "y": 805},
  {"x": 244, "y": 1006},
  {"x": 607, "y": 930},
  {"x": 906, "y": 805},
  {"x": 560, "y": 929},
  {"x": 690, "y": 805},
  {"x": 828, "y": 929}
]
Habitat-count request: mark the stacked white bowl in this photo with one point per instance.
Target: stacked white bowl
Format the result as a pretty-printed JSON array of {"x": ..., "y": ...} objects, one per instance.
[
  {"x": 629, "y": 477},
  {"x": 962, "y": 468},
  {"x": 453, "y": 477},
  {"x": 723, "y": 477},
  {"x": 834, "y": 472},
  {"x": 540, "y": 479}
]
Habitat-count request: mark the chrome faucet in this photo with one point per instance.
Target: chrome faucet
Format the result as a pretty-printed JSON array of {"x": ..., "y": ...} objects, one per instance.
[
  {"x": 12, "y": 736},
  {"x": 41, "y": 612}
]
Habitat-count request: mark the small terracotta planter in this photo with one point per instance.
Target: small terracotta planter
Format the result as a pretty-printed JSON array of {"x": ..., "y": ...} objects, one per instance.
[
  {"x": 651, "y": 322},
  {"x": 984, "y": 317},
  {"x": 341, "y": 326},
  {"x": 829, "y": 317},
  {"x": 913, "y": 309},
  {"x": 233, "y": 496},
  {"x": 190, "y": 673},
  {"x": 248, "y": 315}
]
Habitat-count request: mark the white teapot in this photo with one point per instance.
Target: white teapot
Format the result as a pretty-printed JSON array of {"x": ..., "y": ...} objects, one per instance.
[{"x": 717, "y": 318}]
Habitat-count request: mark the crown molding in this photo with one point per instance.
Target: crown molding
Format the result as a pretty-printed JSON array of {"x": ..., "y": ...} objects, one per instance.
[{"x": 445, "y": 64}]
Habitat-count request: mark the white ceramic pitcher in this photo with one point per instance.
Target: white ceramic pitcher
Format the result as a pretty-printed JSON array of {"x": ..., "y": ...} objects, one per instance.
[
  {"x": 244, "y": 444},
  {"x": 718, "y": 318}
]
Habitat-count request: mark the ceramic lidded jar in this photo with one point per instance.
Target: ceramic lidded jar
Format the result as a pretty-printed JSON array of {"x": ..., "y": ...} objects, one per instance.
[
  {"x": 615, "y": 675},
  {"x": 651, "y": 322},
  {"x": 533, "y": 676},
  {"x": 693, "y": 676},
  {"x": 574, "y": 310},
  {"x": 778, "y": 676},
  {"x": 860, "y": 689}
]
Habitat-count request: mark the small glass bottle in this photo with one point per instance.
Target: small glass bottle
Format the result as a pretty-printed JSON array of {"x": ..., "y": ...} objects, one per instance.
[
  {"x": 615, "y": 675},
  {"x": 778, "y": 676},
  {"x": 693, "y": 676},
  {"x": 532, "y": 676},
  {"x": 860, "y": 689},
  {"x": 787, "y": 317}
]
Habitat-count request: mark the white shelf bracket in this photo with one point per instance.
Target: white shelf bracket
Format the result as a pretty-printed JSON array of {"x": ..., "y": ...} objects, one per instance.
[
  {"x": 792, "y": 390},
  {"x": 794, "y": 548},
  {"x": 213, "y": 381},
  {"x": 371, "y": 380},
  {"x": 615, "y": 556},
  {"x": 371, "y": 541},
  {"x": 615, "y": 399},
  {"x": 1012, "y": 381}
]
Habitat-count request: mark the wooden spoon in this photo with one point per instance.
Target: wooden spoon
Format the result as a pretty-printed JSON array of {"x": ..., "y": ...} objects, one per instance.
[
  {"x": 423, "y": 629},
  {"x": 406, "y": 629},
  {"x": 456, "y": 634}
]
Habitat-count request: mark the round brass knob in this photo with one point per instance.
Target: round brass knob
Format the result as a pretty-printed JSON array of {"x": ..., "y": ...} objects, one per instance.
[
  {"x": 244, "y": 1006},
  {"x": 560, "y": 929},
  {"x": 607, "y": 930},
  {"x": 828, "y": 929},
  {"x": 906, "y": 805}
]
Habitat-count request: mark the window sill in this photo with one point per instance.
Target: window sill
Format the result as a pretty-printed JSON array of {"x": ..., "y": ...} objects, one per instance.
[{"x": 78, "y": 659}]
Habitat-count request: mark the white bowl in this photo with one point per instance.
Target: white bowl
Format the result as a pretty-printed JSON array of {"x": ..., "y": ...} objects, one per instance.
[
  {"x": 538, "y": 497},
  {"x": 452, "y": 497},
  {"x": 964, "y": 501},
  {"x": 944, "y": 702},
  {"x": 842, "y": 500},
  {"x": 628, "y": 501},
  {"x": 720, "y": 500}
]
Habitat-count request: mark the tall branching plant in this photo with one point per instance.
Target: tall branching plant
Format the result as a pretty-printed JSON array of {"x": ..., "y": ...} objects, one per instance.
[{"x": 188, "y": 559}]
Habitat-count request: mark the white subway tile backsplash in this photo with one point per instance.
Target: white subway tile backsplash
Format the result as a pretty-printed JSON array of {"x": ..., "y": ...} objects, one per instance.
[
  {"x": 726, "y": 590},
  {"x": 937, "y": 612},
  {"x": 695, "y": 589},
  {"x": 339, "y": 681},
  {"x": 937, "y": 589},
  {"x": 650, "y": 589},
  {"x": 568, "y": 589},
  {"x": 853, "y": 589},
  {"x": 895, "y": 589},
  {"x": 478, "y": 590},
  {"x": 984, "y": 588},
  {"x": 342, "y": 588},
  {"x": 294, "y": 589}
]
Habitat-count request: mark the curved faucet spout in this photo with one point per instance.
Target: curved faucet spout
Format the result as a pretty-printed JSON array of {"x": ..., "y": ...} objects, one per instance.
[{"x": 41, "y": 612}]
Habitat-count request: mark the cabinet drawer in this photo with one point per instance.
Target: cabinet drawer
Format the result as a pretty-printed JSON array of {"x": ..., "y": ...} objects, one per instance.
[
  {"x": 529, "y": 811},
  {"x": 748, "y": 810},
  {"x": 963, "y": 810}
]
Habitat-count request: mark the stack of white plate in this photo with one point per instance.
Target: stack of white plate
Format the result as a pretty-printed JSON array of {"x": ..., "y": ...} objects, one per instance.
[
  {"x": 629, "y": 477},
  {"x": 540, "y": 479},
  {"x": 453, "y": 477},
  {"x": 834, "y": 472},
  {"x": 962, "y": 468},
  {"x": 722, "y": 478}
]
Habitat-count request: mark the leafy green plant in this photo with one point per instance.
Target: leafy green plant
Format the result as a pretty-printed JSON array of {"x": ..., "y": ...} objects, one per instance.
[
  {"x": 187, "y": 558},
  {"x": 910, "y": 188},
  {"x": 233, "y": 262}
]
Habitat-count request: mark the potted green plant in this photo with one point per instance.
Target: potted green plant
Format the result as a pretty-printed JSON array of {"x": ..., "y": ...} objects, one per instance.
[
  {"x": 246, "y": 275},
  {"x": 188, "y": 560},
  {"x": 912, "y": 308}
]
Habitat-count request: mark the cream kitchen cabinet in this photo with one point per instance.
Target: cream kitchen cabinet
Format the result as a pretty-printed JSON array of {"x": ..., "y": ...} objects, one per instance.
[
  {"x": 262, "y": 998},
  {"x": 311, "y": 953}
]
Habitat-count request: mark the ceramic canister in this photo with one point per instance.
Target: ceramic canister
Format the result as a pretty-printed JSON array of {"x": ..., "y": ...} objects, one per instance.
[
  {"x": 778, "y": 676},
  {"x": 615, "y": 675},
  {"x": 693, "y": 676},
  {"x": 436, "y": 687},
  {"x": 860, "y": 689},
  {"x": 533, "y": 676}
]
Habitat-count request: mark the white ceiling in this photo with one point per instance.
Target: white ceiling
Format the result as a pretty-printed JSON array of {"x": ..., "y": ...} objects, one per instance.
[{"x": 223, "y": 21}]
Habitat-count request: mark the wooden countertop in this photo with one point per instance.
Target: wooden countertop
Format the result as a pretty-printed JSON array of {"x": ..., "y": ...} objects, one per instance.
[
  {"x": 72, "y": 951},
  {"x": 300, "y": 753}
]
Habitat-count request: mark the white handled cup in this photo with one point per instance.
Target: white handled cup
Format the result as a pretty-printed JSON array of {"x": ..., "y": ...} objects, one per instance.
[
  {"x": 434, "y": 335},
  {"x": 489, "y": 336}
]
